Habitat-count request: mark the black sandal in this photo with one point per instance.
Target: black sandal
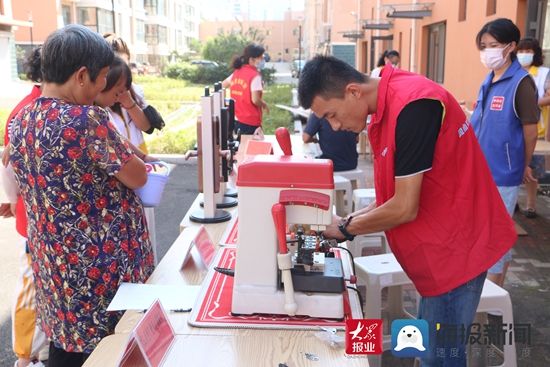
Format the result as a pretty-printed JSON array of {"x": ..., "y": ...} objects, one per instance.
[{"x": 530, "y": 213}]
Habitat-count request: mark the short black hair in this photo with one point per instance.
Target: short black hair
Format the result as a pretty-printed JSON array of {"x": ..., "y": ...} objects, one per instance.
[
  {"x": 118, "y": 69},
  {"x": 503, "y": 30},
  {"x": 387, "y": 53},
  {"x": 326, "y": 76},
  {"x": 70, "y": 48},
  {"x": 33, "y": 65},
  {"x": 532, "y": 44}
]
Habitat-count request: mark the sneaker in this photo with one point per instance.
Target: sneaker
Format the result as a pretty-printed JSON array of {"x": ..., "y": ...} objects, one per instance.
[{"x": 530, "y": 213}]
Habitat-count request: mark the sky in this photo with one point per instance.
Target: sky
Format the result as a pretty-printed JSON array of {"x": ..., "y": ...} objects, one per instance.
[{"x": 257, "y": 9}]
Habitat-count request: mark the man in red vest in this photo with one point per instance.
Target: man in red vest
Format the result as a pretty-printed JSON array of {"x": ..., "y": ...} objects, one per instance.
[{"x": 435, "y": 197}]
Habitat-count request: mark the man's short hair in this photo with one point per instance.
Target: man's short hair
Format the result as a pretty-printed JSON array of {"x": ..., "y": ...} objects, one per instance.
[
  {"x": 326, "y": 76},
  {"x": 70, "y": 48}
]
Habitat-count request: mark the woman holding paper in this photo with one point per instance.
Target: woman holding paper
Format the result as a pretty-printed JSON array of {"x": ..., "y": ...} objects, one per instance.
[{"x": 86, "y": 228}]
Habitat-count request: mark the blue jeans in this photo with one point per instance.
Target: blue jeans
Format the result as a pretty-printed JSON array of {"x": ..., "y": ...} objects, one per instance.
[
  {"x": 453, "y": 309},
  {"x": 509, "y": 195}
]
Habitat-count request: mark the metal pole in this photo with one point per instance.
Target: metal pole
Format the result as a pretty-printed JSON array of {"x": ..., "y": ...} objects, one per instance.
[{"x": 114, "y": 17}]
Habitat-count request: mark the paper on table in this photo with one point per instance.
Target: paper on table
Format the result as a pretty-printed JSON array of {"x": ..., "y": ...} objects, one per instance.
[{"x": 132, "y": 296}]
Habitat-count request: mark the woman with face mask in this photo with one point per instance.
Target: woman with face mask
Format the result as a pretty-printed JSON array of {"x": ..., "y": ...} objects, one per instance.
[
  {"x": 505, "y": 118},
  {"x": 246, "y": 89},
  {"x": 530, "y": 57}
]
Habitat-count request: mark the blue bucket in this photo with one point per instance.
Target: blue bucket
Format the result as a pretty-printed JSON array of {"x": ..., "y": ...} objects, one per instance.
[{"x": 151, "y": 193}]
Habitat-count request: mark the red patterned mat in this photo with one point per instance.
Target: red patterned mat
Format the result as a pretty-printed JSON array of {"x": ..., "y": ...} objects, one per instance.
[
  {"x": 230, "y": 236},
  {"x": 213, "y": 306}
]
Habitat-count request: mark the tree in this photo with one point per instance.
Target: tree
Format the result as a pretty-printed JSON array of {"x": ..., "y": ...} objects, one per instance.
[{"x": 224, "y": 47}]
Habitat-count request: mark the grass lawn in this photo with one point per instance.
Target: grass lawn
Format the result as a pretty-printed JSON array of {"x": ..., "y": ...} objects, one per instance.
[{"x": 171, "y": 95}]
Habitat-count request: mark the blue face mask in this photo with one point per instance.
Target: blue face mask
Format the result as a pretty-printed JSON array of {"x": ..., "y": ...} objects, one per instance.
[
  {"x": 261, "y": 65},
  {"x": 525, "y": 59}
]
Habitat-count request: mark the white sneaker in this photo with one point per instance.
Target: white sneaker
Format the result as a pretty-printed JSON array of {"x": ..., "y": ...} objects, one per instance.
[{"x": 36, "y": 364}]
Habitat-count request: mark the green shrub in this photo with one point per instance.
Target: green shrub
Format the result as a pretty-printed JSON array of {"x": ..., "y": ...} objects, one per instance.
[
  {"x": 268, "y": 75},
  {"x": 277, "y": 117},
  {"x": 197, "y": 74},
  {"x": 4, "y": 113}
]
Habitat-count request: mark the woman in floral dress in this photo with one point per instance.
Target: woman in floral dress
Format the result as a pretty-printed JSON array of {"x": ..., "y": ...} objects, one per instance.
[{"x": 87, "y": 232}]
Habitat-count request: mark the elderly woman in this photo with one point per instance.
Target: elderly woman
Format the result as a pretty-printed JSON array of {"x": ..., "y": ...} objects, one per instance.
[{"x": 86, "y": 229}]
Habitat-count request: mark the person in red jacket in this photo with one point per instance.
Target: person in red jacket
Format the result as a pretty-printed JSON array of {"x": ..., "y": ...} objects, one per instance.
[
  {"x": 246, "y": 89},
  {"x": 435, "y": 197},
  {"x": 27, "y": 337}
]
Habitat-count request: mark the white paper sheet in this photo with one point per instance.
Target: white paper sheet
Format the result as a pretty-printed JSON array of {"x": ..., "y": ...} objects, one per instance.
[{"x": 141, "y": 296}]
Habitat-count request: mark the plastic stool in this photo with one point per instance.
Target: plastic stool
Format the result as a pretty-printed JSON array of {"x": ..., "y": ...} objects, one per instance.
[
  {"x": 363, "y": 197},
  {"x": 343, "y": 200},
  {"x": 378, "y": 272},
  {"x": 356, "y": 176},
  {"x": 496, "y": 299}
]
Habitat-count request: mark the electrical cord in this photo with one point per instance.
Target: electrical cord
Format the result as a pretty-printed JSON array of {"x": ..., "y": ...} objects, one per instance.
[{"x": 351, "y": 257}]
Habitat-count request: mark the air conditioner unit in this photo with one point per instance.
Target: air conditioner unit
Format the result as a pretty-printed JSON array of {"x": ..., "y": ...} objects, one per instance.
[{"x": 325, "y": 33}]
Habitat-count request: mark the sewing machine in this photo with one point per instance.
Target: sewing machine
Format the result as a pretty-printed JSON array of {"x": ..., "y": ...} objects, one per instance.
[{"x": 279, "y": 273}]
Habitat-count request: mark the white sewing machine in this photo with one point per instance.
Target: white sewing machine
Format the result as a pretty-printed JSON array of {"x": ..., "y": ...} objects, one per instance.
[{"x": 275, "y": 274}]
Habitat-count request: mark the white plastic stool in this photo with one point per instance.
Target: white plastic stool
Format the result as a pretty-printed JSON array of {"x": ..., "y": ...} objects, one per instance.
[
  {"x": 343, "y": 199},
  {"x": 363, "y": 197},
  {"x": 378, "y": 272},
  {"x": 356, "y": 176},
  {"x": 496, "y": 299}
]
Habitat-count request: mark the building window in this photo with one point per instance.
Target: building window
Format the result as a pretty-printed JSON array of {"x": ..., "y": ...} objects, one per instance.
[
  {"x": 462, "y": 10},
  {"x": 491, "y": 7},
  {"x": 436, "y": 52},
  {"x": 151, "y": 34},
  {"x": 163, "y": 34},
  {"x": 88, "y": 17},
  {"x": 179, "y": 39},
  {"x": 66, "y": 14},
  {"x": 140, "y": 30},
  {"x": 105, "y": 21},
  {"x": 151, "y": 7}
]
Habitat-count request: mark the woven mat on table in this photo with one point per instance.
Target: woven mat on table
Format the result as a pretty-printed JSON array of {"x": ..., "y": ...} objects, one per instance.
[{"x": 213, "y": 306}]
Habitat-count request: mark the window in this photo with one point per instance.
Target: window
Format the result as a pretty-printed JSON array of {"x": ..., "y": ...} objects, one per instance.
[
  {"x": 105, "y": 21},
  {"x": 491, "y": 7},
  {"x": 140, "y": 30},
  {"x": 151, "y": 7},
  {"x": 179, "y": 39},
  {"x": 436, "y": 52},
  {"x": 88, "y": 17},
  {"x": 66, "y": 14},
  {"x": 163, "y": 34},
  {"x": 151, "y": 34},
  {"x": 462, "y": 10}
]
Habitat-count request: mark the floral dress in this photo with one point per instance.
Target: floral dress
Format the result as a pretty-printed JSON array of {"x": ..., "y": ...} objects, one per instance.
[{"x": 87, "y": 231}]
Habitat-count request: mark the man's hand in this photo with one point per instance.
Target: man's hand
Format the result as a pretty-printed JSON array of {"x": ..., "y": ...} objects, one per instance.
[
  {"x": 332, "y": 231},
  {"x": 5, "y": 210}
]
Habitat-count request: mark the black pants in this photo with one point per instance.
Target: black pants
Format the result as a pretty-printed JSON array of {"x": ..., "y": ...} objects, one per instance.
[
  {"x": 244, "y": 129},
  {"x": 60, "y": 358}
]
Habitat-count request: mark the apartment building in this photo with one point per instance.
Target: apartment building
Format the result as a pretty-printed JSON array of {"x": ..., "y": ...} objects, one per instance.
[
  {"x": 281, "y": 36},
  {"x": 153, "y": 29},
  {"x": 435, "y": 38},
  {"x": 8, "y": 23}
]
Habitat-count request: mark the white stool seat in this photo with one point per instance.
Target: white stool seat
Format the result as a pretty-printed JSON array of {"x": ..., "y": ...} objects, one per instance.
[
  {"x": 343, "y": 200},
  {"x": 356, "y": 176},
  {"x": 496, "y": 299},
  {"x": 378, "y": 272},
  {"x": 363, "y": 197}
]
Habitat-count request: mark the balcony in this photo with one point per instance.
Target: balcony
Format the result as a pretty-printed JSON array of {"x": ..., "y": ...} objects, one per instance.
[
  {"x": 355, "y": 35},
  {"x": 381, "y": 24},
  {"x": 409, "y": 11}
]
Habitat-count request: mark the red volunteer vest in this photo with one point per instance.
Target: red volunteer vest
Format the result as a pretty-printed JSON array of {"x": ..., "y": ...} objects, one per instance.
[
  {"x": 20, "y": 216},
  {"x": 245, "y": 111},
  {"x": 462, "y": 227}
]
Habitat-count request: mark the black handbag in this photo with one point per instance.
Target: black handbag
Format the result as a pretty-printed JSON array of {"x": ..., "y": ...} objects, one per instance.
[{"x": 154, "y": 117}]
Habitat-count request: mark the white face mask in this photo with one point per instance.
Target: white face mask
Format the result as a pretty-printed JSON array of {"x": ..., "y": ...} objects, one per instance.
[
  {"x": 525, "y": 59},
  {"x": 492, "y": 58}
]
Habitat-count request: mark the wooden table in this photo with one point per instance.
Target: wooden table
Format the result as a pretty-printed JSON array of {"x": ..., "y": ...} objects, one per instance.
[{"x": 218, "y": 346}]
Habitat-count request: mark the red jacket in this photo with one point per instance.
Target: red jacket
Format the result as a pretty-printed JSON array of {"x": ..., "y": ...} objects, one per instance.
[
  {"x": 245, "y": 111},
  {"x": 20, "y": 216},
  {"x": 462, "y": 227}
]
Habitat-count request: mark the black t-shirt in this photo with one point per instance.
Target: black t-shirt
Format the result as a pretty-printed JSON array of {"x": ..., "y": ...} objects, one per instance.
[{"x": 416, "y": 133}]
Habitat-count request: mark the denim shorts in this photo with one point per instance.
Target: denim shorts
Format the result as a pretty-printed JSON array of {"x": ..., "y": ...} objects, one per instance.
[
  {"x": 509, "y": 195},
  {"x": 537, "y": 165}
]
